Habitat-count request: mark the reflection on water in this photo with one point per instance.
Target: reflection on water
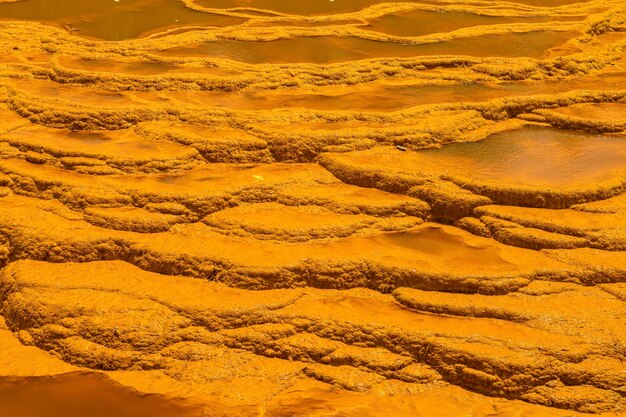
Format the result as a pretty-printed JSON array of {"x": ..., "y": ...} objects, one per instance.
[
  {"x": 82, "y": 395},
  {"x": 548, "y": 3},
  {"x": 532, "y": 155},
  {"x": 423, "y": 22},
  {"x": 329, "y": 49},
  {"x": 298, "y": 7},
  {"x": 382, "y": 96},
  {"x": 436, "y": 242},
  {"x": 144, "y": 67},
  {"x": 309, "y": 7},
  {"x": 112, "y": 20},
  {"x": 432, "y": 241}
]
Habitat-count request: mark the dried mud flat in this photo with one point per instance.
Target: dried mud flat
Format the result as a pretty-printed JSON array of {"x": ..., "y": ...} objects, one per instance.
[{"x": 313, "y": 208}]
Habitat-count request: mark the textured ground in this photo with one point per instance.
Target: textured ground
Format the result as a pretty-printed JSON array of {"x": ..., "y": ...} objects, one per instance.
[{"x": 345, "y": 208}]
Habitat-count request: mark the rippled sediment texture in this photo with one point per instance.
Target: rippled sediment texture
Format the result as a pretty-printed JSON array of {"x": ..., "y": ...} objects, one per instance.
[{"x": 346, "y": 208}]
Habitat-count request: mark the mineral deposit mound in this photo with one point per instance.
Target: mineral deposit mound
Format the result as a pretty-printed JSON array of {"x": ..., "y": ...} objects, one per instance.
[{"x": 276, "y": 208}]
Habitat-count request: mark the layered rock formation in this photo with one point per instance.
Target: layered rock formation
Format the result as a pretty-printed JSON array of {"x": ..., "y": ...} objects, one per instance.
[{"x": 351, "y": 208}]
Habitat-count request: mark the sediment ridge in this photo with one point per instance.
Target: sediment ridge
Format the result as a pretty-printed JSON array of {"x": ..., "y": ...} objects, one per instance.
[{"x": 396, "y": 208}]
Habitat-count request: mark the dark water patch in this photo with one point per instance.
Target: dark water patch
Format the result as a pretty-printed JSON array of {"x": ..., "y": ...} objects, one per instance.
[
  {"x": 331, "y": 49},
  {"x": 533, "y": 155},
  {"x": 299, "y": 7},
  {"x": 424, "y": 22},
  {"x": 112, "y": 20}
]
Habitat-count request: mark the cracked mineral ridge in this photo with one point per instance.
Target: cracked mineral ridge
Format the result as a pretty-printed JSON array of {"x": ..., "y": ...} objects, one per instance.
[{"x": 346, "y": 208}]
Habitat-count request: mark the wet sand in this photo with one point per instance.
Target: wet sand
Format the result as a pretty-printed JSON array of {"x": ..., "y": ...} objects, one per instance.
[{"x": 345, "y": 208}]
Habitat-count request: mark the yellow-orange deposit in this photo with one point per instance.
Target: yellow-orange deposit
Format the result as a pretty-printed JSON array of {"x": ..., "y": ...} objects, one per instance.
[{"x": 313, "y": 208}]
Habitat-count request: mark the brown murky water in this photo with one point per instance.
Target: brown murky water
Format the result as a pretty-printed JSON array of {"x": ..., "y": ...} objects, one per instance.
[
  {"x": 423, "y": 22},
  {"x": 534, "y": 155},
  {"x": 82, "y": 394},
  {"x": 141, "y": 67},
  {"x": 304, "y": 7},
  {"x": 375, "y": 97},
  {"x": 112, "y": 20},
  {"x": 437, "y": 243},
  {"x": 312, "y": 7},
  {"x": 549, "y": 3},
  {"x": 330, "y": 49}
]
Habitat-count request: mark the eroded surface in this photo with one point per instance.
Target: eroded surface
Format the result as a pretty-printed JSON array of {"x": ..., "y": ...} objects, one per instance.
[
  {"x": 77, "y": 394},
  {"x": 347, "y": 208}
]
